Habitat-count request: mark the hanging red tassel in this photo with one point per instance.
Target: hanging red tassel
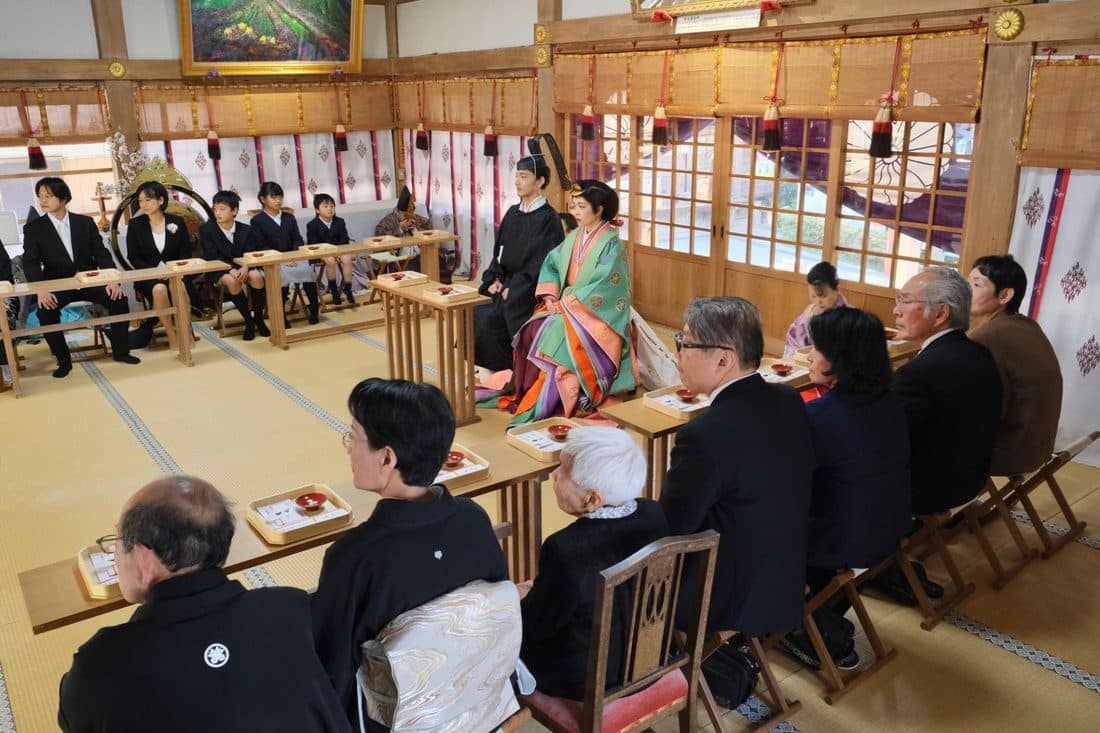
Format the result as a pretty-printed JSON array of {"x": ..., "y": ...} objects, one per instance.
[
  {"x": 660, "y": 127},
  {"x": 213, "y": 146},
  {"x": 588, "y": 123},
  {"x": 882, "y": 132},
  {"x": 340, "y": 139},
  {"x": 772, "y": 140},
  {"x": 421, "y": 137},
  {"x": 490, "y": 148},
  {"x": 36, "y": 159}
]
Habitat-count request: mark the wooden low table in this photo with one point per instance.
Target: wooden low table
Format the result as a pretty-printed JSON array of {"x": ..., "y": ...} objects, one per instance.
[
  {"x": 428, "y": 240},
  {"x": 54, "y": 594},
  {"x": 273, "y": 285},
  {"x": 454, "y": 328},
  {"x": 179, "y": 308}
]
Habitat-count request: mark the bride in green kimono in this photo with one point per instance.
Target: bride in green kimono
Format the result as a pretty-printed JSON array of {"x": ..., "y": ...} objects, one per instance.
[{"x": 575, "y": 350}]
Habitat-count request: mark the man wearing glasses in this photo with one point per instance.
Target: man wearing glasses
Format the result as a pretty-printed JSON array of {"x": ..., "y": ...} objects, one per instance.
[
  {"x": 744, "y": 469},
  {"x": 952, "y": 396},
  {"x": 201, "y": 652}
]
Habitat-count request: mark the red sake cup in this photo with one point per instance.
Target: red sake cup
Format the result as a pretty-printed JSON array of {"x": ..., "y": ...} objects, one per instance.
[
  {"x": 397, "y": 276},
  {"x": 93, "y": 273},
  {"x": 446, "y": 290},
  {"x": 181, "y": 263},
  {"x": 311, "y": 501},
  {"x": 782, "y": 369},
  {"x": 559, "y": 432},
  {"x": 891, "y": 333},
  {"x": 454, "y": 459},
  {"x": 687, "y": 395},
  {"x": 312, "y": 247}
]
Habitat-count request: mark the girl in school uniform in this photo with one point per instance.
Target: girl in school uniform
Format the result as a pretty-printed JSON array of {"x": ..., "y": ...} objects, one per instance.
[
  {"x": 276, "y": 229},
  {"x": 327, "y": 227}
]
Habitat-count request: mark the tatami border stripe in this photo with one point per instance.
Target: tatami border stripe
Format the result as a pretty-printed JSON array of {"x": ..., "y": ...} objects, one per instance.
[
  {"x": 370, "y": 341},
  {"x": 7, "y": 718},
  {"x": 1023, "y": 650},
  {"x": 755, "y": 711},
  {"x": 141, "y": 431},
  {"x": 312, "y": 407},
  {"x": 1054, "y": 528},
  {"x": 259, "y": 577}
]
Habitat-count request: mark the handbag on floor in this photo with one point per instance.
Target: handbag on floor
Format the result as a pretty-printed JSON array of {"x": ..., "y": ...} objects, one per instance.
[{"x": 731, "y": 674}]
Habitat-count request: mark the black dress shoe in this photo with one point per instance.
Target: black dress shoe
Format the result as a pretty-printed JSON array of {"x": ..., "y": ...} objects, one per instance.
[
  {"x": 261, "y": 328},
  {"x": 892, "y": 584},
  {"x": 62, "y": 371},
  {"x": 249, "y": 332},
  {"x": 128, "y": 359},
  {"x": 931, "y": 588}
]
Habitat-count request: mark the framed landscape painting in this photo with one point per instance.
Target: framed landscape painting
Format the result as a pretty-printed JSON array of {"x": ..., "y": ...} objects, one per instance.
[{"x": 259, "y": 37}]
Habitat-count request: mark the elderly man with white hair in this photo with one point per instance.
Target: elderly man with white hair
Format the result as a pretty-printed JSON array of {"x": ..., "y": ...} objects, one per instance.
[
  {"x": 599, "y": 482},
  {"x": 951, "y": 392}
]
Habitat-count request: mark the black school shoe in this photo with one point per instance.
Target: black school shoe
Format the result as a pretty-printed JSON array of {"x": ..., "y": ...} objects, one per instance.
[{"x": 798, "y": 645}]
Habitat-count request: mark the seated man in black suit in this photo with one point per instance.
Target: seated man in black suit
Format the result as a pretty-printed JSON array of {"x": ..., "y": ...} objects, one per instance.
[
  {"x": 951, "y": 393},
  {"x": 201, "y": 652},
  {"x": 59, "y": 245},
  {"x": 600, "y": 482},
  {"x": 744, "y": 469}
]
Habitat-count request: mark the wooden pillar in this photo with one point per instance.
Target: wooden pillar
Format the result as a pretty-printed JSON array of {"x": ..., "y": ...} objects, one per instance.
[
  {"x": 549, "y": 11},
  {"x": 393, "y": 51},
  {"x": 994, "y": 174},
  {"x": 110, "y": 33}
]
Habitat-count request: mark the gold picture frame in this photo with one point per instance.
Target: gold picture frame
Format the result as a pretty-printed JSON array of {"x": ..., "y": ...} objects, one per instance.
[
  {"x": 643, "y": 9},
  {"x": 234, "y": 37}
]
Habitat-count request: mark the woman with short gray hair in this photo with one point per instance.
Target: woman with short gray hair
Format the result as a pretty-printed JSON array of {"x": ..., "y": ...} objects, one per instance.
[{"x": 599, "y": 482}]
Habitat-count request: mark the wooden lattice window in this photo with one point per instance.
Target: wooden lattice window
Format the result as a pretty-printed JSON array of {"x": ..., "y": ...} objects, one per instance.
[
  {"x": 778, "y": 200},
  {"x": 898, "y": 215},
  {"x": 607, "y": 158},
  {"x": 675, "y": 188}
]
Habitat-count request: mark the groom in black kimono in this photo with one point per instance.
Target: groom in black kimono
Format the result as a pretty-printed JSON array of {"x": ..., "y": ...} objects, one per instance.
[{"x": 527, "y": 233}]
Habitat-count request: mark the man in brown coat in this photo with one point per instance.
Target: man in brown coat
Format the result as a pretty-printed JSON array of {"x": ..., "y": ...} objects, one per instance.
[{"x": 1031, "y": 379}]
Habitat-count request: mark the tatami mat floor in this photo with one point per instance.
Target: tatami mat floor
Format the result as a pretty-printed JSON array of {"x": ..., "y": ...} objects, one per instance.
[{"x": 255, "y": 420}]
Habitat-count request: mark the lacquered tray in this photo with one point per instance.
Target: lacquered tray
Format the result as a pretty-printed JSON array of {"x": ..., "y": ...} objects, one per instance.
[
  {"x": 533, "y": 439},
  {"x": 666, "y": 402},
  {"x": 279, "y": 521},
  {"x": 105, "y": 275}
]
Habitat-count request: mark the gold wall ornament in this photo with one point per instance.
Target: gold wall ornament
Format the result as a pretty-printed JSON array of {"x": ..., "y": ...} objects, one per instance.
[
  {"x": 541, "y": 33},
  {"x": 116, "y": 69},
  {"x": 1008, "y": 24},
  {"x": 542, "y": 56}
]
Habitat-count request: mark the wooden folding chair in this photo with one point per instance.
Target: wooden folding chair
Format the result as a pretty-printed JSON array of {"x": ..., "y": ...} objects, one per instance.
[
  {"x": 975, "y": 515},
  {"x": 660, "y": 677},
  {"x": 930, "y": 531},
  {"x": 782, "y": 708},
  {"x": 1022, "y": 494},
  {"x": 839, "y": 684}
]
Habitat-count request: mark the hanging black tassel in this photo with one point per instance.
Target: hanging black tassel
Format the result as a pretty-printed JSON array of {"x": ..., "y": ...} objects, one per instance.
[
  {"x": 340, "y": 139},
  {"x": 882, "y": 133},
  {"x": 36, "y": 159},
  {"x": 588, "y": 123},
  {"x": 660, "y": 127},
  {"x": 421, "y": 137},
  {"x": 490, "y": 148},
  {"x": 213, "y": 146},
  {"x": 771, "y": 129}
]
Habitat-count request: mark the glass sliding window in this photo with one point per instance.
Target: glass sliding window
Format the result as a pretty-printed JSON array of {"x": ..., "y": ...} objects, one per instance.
[
  {"x": 901, "y": 214},
  {"x": 607, "y": 158},
  {"x": 675, "y": 184},
  {"x": 778, "y": 199}
]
